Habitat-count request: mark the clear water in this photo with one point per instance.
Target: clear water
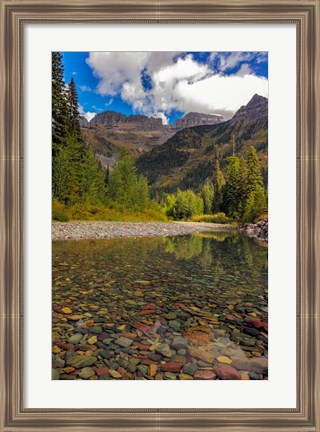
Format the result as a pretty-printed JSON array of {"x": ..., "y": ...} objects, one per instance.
[{"x": 209, "y": 289}]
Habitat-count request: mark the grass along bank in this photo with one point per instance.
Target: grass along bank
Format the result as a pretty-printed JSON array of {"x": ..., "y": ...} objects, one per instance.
[{"x": 89, "y": 212}]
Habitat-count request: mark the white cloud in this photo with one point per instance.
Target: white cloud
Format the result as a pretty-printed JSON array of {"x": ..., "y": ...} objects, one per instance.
[
  {"x": 163, "y": 117},
  {"x": 262, "y": 57},
  {"x": 229, "y": 61},
  {"x": 162, "y": 98},
  {"x": 85, "y": 88},
  {"x": 219, "y": 94},
  {"x": 233, "y": 60},
  {"x": 178, "y": 83},
  {"x": 115, "y": 68},
  {"x": 244, "y": 70},
  {"x": 185, "y": 68}
]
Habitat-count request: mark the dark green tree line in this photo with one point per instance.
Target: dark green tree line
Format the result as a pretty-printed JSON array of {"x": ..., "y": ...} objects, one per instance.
[{"x": 77, "y": 176}]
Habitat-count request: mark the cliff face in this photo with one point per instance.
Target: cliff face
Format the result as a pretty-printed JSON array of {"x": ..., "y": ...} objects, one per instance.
[
  {"x": 142, "y": 122},
  {"x": 197, "y": 119},
  {"x": 83, "y": 121},
  {"x": 110, "y": 118}
]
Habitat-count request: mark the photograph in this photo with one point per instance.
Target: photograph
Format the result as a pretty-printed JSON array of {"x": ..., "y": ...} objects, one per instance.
[
  {"x": 143, "y": 148},
  {"x": 159, "y": 215}
]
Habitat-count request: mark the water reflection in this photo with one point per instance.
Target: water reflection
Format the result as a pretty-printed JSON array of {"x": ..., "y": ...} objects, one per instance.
[{"x": 188, "y": 307}]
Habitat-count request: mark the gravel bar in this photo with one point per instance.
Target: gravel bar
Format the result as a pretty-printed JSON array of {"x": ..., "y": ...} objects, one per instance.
[{"x": 99, "y": 230}]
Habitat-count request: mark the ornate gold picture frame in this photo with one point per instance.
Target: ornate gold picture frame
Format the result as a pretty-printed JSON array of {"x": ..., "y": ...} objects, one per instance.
[{"x": 15, "y": 14}]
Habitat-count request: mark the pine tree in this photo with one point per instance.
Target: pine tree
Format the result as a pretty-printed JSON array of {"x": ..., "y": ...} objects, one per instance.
[
  {"x": 242, "y": 186},
  {"x": 68, "y": 171},
  {"x": 74, "y": 124},
  {"x": 61, "y": 187},
  {"x": 60, "y": 118},
  {"x": 254, "y": 205},
  {"x": 232, "y": 189},
  {"x": 254, "y": 195},
  {"x": 60, "y": 115},
  {"x": 254, "y": 176},
  {"x": 218, "y": 183},
  {"x": 92, "y": 183}
]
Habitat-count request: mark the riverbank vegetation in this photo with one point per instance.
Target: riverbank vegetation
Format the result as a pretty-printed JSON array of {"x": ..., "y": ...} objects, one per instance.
[{"x": 83, "y": 189}]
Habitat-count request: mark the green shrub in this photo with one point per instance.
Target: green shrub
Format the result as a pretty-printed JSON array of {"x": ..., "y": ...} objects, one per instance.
[
  {"x": 219, "y": 218},
  {"x": 60, "y": 216},
  {"x": 99, "y": 212},
  {"x": 183, "y": 205},
  {"x": 59, "y": 212}
]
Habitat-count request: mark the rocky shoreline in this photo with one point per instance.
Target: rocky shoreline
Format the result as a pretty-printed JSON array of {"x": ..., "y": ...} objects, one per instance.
[
  {"x": 258, "y": 230},
  {"x": 99, "y": 230}
]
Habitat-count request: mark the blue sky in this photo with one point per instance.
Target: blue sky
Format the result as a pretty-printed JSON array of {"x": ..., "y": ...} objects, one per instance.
[{"x": 166, "y": 84}]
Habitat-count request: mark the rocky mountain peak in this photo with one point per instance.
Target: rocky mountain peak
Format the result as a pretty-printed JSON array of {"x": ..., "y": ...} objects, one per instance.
[{"x": 256, "y": 108}]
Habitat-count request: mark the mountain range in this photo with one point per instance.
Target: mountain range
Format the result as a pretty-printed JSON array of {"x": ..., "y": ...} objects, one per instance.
[
  {"x": 180, "y": 155},
  {"x": 109, "y": 131},
  {"x": 142, "y": 122}
]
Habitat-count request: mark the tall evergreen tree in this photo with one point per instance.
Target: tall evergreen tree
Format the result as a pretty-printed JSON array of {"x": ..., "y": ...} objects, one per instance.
[
  {"x": 254, "y": 195},
  {"x": 242, "y": 185},
  {"x": 73, "y": 105},
  {"x": 60, "y": 118},
  {"x": 253, "y": 176},
  {"x": 61, "y": 176},
  {"x": 68, "y": 172},
  {"x": 218, "y": 183},
  {"x": 232, "y": 190},
  {"x": 92, "y": 179},
  {"x": 60, "y": 115}
]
